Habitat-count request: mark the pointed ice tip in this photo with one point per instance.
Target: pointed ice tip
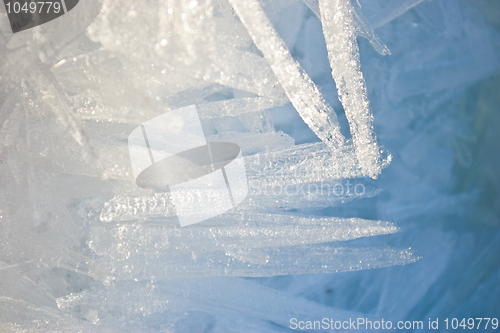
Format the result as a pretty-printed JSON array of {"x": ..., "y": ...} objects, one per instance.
[{"x": 412, "y": 255}]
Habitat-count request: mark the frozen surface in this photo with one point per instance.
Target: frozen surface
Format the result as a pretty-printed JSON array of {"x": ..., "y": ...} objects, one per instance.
[{"x": 372, "y": 174}]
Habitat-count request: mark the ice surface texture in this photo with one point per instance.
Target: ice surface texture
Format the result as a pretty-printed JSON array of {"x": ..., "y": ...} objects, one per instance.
[
  {"x": 340, "y": 35},
  {"x": 83, "y": 248}
]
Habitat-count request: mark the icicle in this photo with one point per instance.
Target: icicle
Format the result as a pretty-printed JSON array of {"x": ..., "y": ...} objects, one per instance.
[
  {"x": 268, "y": 261},
  {"x": 300, "y": 89},
  {"x": 229, "y": 231}
]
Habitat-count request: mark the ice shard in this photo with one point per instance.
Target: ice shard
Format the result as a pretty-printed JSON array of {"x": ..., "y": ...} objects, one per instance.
[
  {"x": 339, "y": 29},
  {"x": 299, "y": 88}
]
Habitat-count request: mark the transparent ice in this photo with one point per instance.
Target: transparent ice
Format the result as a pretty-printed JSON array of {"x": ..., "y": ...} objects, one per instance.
[{"x": 83, "y": 248}]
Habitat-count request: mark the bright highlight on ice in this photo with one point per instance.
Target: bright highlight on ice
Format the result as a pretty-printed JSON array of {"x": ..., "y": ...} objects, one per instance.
[{"x": 73, "y": 94}]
